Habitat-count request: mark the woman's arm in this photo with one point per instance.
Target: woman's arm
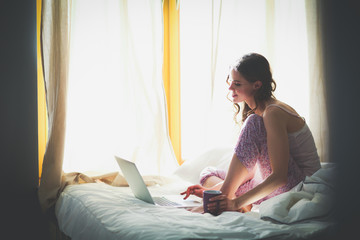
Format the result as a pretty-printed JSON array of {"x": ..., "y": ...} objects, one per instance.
[
  {"x": 255, "y": 194},
  {"x": 262, "y": 190},
  {"x": 278, "y": 150}
]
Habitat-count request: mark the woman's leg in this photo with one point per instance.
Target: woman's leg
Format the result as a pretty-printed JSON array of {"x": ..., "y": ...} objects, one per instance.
[
  {"x": 252, "y": 144},
  {"x": 210, "y": 176},
  {"x": 236, "y": 176},
  {"x": 251, "y": 147},
  {"x": 213, "y": 181}
]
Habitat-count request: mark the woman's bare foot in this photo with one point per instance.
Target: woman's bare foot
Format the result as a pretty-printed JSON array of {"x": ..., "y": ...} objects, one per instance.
[{"x": 246, "y": 208}]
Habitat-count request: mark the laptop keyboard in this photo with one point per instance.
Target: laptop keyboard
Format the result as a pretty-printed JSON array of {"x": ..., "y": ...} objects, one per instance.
[{"x": 164, "y": 202}]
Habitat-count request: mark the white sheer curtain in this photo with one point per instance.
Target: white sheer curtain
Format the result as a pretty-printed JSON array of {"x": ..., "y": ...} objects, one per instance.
[
  {"x": 55, "y": 35},
  {"x": 214, "y": 34},
  {"x": 116, "y": 103}
]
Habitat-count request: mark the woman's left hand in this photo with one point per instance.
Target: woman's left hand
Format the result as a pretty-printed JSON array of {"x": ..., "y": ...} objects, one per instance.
[{"x": 224, "y": 203}]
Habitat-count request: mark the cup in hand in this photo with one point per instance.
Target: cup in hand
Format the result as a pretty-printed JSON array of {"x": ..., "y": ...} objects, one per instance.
[{"x": 206, "y": 196}]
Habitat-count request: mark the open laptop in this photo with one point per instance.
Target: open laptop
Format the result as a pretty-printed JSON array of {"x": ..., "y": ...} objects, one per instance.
[{"x": 140, "y": 190}]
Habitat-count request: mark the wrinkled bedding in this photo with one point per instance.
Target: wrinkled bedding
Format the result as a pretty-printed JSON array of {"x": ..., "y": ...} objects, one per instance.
[
  {"x": 310, "y": 200},
  {"x": 100, "y": 211}
]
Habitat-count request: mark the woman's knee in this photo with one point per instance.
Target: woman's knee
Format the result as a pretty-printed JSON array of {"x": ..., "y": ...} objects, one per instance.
[
  {"x": 211, "y": 181},
  {"x": 255, "y": 124},
  {"x": 210, "y": 172},
  {"x": 252, "y": 142}
]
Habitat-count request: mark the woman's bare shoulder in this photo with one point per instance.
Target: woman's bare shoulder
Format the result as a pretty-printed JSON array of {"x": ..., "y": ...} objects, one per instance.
[
  {"x": 277, "y": 104},
  {"x": 284, "y": 115},
  {"x": 274, "y": 115},
  {"x": 275, "y": 109}
]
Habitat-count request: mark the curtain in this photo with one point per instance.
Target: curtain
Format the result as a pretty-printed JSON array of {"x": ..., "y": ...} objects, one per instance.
[
  {"x": 318, "y": 109},
  {"x": 55, "y": 49},
  {"x": 103, "y": 75},
  {"x": 116, "y": 95},
  {"x": 226, "y": 30}
]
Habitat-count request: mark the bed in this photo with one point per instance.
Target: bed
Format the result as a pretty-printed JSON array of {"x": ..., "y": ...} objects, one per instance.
[{"x": 101, "y": 211}]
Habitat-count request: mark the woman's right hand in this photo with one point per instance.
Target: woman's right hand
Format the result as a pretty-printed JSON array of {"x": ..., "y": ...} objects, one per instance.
[{"x": 196, "y": 190}]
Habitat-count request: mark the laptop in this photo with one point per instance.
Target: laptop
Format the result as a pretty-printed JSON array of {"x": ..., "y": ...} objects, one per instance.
[{"x": 140, "y": 190}]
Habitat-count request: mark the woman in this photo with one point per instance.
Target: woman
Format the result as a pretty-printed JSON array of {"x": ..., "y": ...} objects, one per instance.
[{"x": 274, "y": 139}]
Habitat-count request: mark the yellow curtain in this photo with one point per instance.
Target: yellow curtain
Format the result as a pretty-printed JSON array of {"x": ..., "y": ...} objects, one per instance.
[
  {"x": 171, "y": 72},
  {"x": 42, "y": 119}
]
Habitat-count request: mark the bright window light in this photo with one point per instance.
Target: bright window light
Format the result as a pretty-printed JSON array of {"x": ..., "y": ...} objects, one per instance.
[
  {"x": 244, "y": 27},
  {"x": 115, "y": 97}
]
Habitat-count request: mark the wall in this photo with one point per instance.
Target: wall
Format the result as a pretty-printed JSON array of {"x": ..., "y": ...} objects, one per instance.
[
  {"x": 341, "y": 55},
  {"x": 18, "y": 120}
]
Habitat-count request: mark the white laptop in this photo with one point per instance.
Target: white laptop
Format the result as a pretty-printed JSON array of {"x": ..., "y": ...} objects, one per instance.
[{"x": 140, "y": 191}]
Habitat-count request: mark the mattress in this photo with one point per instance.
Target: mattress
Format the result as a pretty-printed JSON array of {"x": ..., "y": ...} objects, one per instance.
[{"x": 100, "y": 211}]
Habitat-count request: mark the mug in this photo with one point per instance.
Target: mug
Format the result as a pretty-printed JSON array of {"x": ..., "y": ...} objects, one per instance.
[{"x": 207, "y": 194}]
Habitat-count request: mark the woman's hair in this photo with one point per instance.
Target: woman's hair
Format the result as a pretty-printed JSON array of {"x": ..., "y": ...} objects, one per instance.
[{"x": 254, "y": 67}]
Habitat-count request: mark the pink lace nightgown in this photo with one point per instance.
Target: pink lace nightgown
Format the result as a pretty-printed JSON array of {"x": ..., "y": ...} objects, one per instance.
[{"x": 252, "y": 151}]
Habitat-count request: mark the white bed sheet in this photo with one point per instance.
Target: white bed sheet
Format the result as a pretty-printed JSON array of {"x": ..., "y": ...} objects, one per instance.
[{"x": 100, "y": 211}]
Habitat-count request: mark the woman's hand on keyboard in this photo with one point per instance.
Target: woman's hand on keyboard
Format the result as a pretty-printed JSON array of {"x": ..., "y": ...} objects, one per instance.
[{"x": 196, "y": 190}]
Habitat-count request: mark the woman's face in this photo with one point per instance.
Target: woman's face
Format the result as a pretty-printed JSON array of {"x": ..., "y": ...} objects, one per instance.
[{"x": 242, "y": 90}]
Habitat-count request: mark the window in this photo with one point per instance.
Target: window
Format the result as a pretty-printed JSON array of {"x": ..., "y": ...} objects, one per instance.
[
  {"x": 215, "y": 33},
  {"x": 201, "y": 38}
]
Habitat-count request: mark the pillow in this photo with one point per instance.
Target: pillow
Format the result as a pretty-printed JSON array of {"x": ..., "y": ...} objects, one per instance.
[{"x": 219, "y": 158}]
